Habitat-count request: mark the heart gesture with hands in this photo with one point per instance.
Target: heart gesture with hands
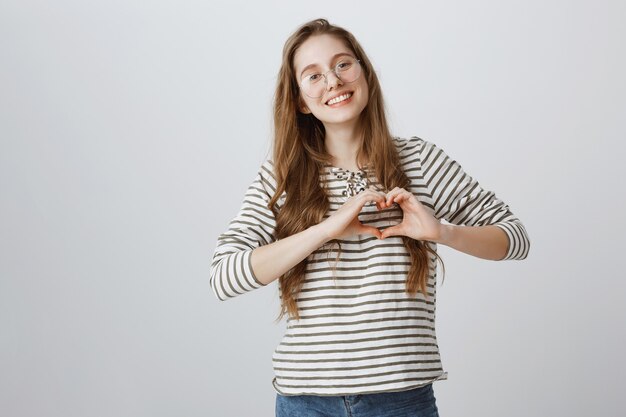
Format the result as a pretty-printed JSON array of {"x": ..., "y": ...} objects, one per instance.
[{"x": 417, "y": 222}]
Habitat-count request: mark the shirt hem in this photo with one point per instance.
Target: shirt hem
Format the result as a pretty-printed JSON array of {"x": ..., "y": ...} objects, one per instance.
[
  {"x": 252, "y": 270},
  {"x": 441, "y": 377}
]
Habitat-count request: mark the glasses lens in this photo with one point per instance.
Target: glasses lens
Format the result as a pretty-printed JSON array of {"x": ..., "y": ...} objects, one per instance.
[
  {"x": 348, "y": 70},
  {"x": 313, "y": 83}
]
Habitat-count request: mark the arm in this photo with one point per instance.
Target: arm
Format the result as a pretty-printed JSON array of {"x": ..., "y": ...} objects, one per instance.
[
  {"x": 487, "y": 242},
  {"x": 482, "y": 225},
  {"x": 271, "y": 261},
  {"x": 232, "y": 272}
]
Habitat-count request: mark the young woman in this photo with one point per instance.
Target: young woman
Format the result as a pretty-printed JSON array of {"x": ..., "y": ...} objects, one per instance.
[{"x": 347, "y": 217}]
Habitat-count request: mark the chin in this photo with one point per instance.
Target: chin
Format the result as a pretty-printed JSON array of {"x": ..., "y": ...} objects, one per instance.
[{"x": 351, "y": 116}]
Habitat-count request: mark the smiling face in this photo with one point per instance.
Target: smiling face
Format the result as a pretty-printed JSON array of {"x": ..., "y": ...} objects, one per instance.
[{"x": 319, "y": 55}]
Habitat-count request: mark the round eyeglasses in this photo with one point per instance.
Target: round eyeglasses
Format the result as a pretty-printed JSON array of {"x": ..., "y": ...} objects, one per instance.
[{"x": 347, "y": 70}]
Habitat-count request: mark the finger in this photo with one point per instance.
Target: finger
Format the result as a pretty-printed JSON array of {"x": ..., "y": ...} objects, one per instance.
[
  {"x": 372, "y": 195},
  {"x": 378, "y": 193},
  {"x": 378, "y": 197},
  {"x": 402, "y": 197},
  {"x": 391, "y": 194},
  {"x": 383, "y": 202}
]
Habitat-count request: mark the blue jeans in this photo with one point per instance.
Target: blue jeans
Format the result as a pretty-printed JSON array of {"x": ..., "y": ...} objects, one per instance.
[{"x": 417, "y": 402}]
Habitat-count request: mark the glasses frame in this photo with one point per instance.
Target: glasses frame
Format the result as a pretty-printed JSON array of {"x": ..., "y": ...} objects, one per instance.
[{"x": 358, "y": 61}]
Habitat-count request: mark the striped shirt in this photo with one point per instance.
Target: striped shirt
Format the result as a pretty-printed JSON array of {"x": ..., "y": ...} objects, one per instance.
[{"x": 359, "y": 331}]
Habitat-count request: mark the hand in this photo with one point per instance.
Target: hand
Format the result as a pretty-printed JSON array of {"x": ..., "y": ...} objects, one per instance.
[
  {"x": 417, "y": 222},
  {"x": 344, "y": 222}
]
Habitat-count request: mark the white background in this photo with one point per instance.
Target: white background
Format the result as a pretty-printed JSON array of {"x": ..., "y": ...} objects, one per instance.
[{"x": 130, "y": 131}]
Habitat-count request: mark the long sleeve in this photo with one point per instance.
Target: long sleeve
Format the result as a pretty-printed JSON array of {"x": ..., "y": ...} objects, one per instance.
[
  {"x": 459, "y": 199},
  {"x": 231, "y": 268}
]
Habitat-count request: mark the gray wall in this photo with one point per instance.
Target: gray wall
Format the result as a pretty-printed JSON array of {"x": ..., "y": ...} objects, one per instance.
[{"x": 123, "y": 126}]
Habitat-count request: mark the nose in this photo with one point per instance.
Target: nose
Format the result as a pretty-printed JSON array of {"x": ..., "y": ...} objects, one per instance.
[{"x": 332, "y": 80}]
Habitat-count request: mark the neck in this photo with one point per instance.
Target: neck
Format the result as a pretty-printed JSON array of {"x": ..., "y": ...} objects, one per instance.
[{"x": 343, "y": 144}]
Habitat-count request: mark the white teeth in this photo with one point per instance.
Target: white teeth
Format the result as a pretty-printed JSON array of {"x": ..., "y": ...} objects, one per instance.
[{"x": 340, "y": 98}]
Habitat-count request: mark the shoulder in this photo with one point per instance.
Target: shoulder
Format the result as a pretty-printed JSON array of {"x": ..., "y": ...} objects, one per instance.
[
  {"x": 267, "y": 169},
  {"x": 266, "y": 175},
  {"x": 412, "y": 147}
]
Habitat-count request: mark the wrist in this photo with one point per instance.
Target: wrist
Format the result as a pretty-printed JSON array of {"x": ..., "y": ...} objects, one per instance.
[
  {"x": 319, "y": 234},
  {"x": 446, "y": 234}
]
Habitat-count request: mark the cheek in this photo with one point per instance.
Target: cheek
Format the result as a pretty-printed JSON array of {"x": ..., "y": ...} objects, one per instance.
[
  {"x": 308, "y": 101},
  {"x": 364, "y": 95},
  {"x": 365, "y": 89}
]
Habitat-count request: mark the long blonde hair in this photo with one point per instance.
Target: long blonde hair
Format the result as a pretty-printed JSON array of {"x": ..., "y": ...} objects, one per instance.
[{"x": 299, "y": 154}]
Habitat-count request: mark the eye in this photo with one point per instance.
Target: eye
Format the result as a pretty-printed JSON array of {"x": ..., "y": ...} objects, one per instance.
[
  {"x": 344, "y": 65},
  {"x": 313, "y": 77}
]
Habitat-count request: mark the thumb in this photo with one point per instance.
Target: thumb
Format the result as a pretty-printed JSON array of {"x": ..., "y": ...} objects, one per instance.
[
  {"x": 370, "y": 230},
  {"x": 392, "y": 231}
]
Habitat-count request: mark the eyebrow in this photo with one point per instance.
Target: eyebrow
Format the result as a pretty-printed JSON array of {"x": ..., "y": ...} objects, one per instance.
[{"x": 332, "y": 59}]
